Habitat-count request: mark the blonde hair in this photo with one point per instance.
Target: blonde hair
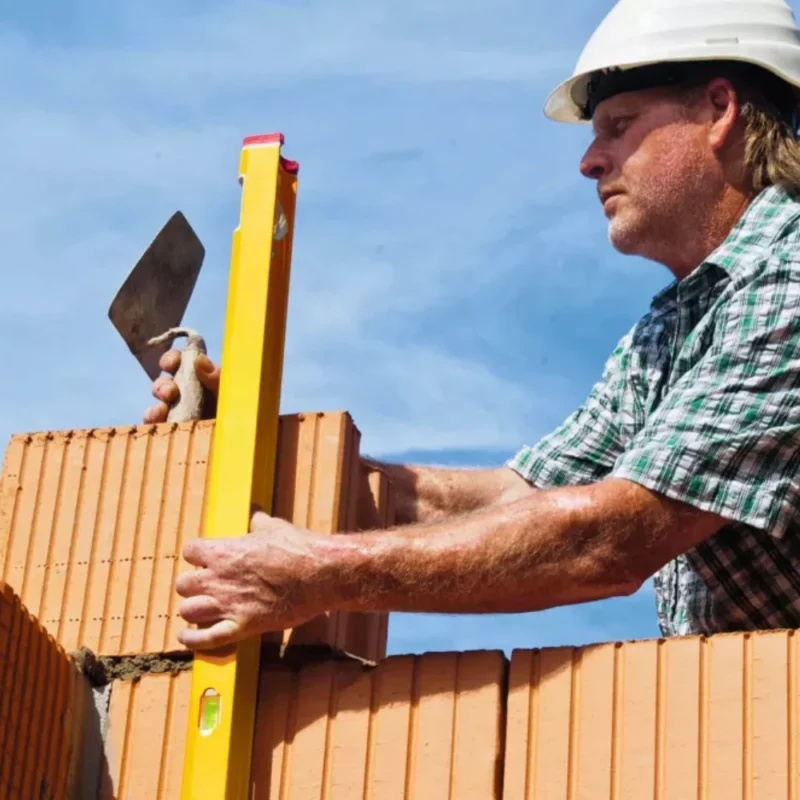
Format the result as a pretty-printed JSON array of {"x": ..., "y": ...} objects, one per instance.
[
  {"x": 768, "y": 108},
  {"x": 772, "y": 151}
]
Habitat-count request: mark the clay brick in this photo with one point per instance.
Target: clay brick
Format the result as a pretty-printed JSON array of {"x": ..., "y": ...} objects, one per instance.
[
  {"x": 317, "y": 488},
  {"x": 374, "y": 509},
  {"x": 92, "y": 524},
  {"x": 43, "y": 700},
  {"x": 687, "y": 717},
  {"x": 415, "y": 726},
  {"x": 146, "y": 737}
]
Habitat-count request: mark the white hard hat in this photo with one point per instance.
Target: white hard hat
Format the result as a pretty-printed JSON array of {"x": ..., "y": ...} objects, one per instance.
[{"x": 638, "y": 33}]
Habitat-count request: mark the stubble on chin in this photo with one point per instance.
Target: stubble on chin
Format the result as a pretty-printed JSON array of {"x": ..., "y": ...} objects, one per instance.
[
  {"x": 624, "y": 231},
  {"x": 638, "y": 228}
]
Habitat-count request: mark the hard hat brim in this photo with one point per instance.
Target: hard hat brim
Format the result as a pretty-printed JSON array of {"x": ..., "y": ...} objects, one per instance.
[{"x": 565, "y": 102}]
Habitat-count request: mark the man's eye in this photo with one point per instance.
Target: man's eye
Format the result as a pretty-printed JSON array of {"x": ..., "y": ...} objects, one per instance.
[{"x": 619, "y": 126}]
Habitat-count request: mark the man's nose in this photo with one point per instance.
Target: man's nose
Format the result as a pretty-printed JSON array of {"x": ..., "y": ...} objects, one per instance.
[{"x": 595, "y": 163}]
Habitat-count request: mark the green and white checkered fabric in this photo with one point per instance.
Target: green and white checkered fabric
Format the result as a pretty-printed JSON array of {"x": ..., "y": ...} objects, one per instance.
[{"x": 700, "y": 401}]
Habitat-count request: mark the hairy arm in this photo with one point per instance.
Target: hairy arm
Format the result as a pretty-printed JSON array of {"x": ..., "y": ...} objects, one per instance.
[
  {"x": 430, "y": 494},
  {"x": 549, "y": 548}
]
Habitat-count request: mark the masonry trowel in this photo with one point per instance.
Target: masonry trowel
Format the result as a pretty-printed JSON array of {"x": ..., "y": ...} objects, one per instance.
[{"x": 149, "y": 307}]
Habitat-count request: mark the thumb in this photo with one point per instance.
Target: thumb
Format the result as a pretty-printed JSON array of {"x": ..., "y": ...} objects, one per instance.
[
  {"x": 207, "y": 373},
  {"x": 258, "y": 518}
]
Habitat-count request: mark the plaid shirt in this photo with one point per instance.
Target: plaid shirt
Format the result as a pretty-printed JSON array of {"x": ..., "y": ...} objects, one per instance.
[{"x": 700, "y": 401}]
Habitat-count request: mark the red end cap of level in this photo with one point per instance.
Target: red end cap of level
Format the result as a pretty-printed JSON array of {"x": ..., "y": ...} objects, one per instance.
[
  {"x": 272, "y": 138},
  {"x": 263, "y": 138}
]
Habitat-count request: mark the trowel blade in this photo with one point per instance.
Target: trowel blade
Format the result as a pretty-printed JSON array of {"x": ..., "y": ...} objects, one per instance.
[{"x": 155, "y": 295}]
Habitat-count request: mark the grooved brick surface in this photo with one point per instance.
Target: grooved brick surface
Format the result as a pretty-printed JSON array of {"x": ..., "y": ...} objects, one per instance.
[
  {"x": 92, "y": 523},
  {"x": 689, "y": 718},
  {"x": 414, "y": 727},
  {"x": 683, "y": 718},
  {"x": 40, "y": 705},
  {"x": 146, "y": 738}
]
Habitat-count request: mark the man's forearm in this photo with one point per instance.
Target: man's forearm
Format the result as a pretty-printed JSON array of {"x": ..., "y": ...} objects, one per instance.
[
  {"x": 428, "y": 494},
  {"x": 551, "y": 548}
]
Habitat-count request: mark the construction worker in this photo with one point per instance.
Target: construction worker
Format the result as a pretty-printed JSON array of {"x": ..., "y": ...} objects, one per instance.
[{"x": 684, "y": 461}]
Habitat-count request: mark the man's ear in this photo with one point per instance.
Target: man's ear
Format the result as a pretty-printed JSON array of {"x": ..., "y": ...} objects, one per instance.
[{"x": 723, "y": 104}]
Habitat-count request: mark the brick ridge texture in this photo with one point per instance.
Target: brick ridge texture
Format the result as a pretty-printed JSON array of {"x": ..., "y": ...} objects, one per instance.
[{"x": 93, "y": 521}]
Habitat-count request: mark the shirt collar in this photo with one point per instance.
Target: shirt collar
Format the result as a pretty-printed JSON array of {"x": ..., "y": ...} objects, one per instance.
[
  {"x": 762, "y": 224},
  {"x": 766, "y": 218}
]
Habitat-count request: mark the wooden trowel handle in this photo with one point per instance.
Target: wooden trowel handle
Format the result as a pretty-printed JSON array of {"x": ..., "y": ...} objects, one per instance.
[
  {"x": 192, "y": 393},
  {"x": 193, "y": 396}
]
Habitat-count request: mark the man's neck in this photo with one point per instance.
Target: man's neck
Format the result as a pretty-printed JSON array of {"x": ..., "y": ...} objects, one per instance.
[{"x": 710, "y": 233}]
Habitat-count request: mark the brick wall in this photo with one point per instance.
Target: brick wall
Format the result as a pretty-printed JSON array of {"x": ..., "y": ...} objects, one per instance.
[
  {"x": 688, "y": 718},
  {"x": 91, "y": 528}
]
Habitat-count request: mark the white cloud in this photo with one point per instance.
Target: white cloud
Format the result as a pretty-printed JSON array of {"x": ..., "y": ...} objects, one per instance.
[{"x": 419, "y": 398}]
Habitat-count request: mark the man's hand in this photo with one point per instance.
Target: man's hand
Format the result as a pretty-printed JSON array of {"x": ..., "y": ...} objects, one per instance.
[
  {"x": 274, "y": 578},
  {"x": 165, "y": 390}
]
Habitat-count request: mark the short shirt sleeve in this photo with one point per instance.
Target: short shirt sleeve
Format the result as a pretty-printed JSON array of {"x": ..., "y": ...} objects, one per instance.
[
  {"x": 585, "y": 447},
  {"x": 726, "y": 438}
]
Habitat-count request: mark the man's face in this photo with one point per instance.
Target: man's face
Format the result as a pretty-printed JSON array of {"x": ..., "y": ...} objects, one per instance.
[{"x": 653, "y": 166}]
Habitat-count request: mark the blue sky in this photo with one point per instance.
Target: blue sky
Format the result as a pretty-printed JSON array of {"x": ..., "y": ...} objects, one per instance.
[{"x": 453, "y": 286}]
